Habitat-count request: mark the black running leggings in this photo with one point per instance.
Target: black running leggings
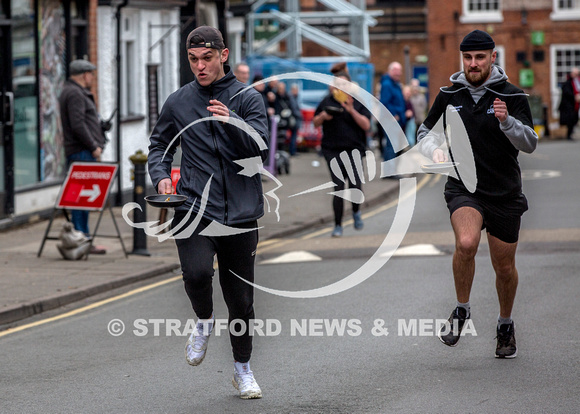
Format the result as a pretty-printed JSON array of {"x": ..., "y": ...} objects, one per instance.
[
  {"x": 339, "y": 185},
  {"x": 236, "y": 253}
]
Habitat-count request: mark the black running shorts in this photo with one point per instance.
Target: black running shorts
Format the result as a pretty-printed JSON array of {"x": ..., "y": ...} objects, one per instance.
[{"x": 501, "y": 217}]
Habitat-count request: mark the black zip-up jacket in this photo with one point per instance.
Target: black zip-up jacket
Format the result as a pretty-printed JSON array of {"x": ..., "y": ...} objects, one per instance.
[
  {"x": 211, "y": 149},
  {"x": 495, "y": 145},
  {"x": 80, "y": 120}
]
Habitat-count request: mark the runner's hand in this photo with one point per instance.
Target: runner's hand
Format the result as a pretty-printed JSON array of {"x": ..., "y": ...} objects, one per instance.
[
  {"x": 165, "y": 187},
  {"x": 439, "y": 155},
  {"x": 500, "y": 109},
  {"x": 218, "y": 108}
]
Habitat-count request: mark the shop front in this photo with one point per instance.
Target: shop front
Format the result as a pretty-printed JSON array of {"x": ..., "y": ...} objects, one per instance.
[{"x": 37, "y": 40}]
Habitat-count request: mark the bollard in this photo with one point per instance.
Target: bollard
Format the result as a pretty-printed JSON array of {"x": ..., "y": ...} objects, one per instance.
[{"x": 139, "y": 160}]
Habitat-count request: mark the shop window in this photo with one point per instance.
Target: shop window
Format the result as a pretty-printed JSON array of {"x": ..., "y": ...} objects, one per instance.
[
  {"x": 566, "y": 10},
  {"x": 24, "y": 70},
  {"x": 481, "y": 11}
]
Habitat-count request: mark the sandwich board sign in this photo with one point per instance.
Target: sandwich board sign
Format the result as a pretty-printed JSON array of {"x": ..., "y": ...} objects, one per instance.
[{"x": 87, "y": 186}]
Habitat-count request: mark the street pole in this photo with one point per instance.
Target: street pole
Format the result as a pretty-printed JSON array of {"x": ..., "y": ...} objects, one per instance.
[{"x": 139, "y": 160}]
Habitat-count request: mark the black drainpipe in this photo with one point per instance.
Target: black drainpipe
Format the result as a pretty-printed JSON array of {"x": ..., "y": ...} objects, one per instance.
[{"x": 119, "y": 198}]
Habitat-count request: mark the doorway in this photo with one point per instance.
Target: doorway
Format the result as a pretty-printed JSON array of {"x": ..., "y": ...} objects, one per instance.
[{"x": 6, "y": 114}]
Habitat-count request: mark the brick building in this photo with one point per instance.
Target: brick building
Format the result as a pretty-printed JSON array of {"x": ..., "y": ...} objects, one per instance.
[{"x": 538, "y": 42}]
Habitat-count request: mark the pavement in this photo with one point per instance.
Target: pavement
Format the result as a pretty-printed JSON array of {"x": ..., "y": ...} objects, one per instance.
[{"x": 30, "y": 285}]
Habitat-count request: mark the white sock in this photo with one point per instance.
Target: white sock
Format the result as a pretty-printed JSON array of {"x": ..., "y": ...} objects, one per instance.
[
  {"x": 465, "y": 306},
  {"x": 503, "y": 321},
  {"x": 207, "y": 325},
  {"x": 242, "y": 367}
]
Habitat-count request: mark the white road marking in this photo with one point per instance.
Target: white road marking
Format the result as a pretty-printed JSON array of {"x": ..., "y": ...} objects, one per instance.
[
  {"x": 418, "y": 250},
  {"x": 293, "y": 257}
]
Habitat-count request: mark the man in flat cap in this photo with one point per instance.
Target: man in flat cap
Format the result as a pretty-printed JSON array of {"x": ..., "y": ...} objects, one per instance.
[
  {"x": 83, "y": 136},
  {"x": 498, "y": 122},
  {"x": 209, "y": 168}
]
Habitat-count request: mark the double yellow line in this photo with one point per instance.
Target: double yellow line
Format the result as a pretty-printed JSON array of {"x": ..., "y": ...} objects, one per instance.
[{"x": 88, "y": 307}]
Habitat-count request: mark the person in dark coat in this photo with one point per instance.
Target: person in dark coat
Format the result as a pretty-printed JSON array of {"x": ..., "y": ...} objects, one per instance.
[
  {"x": 570, "y": 102},
  {"x": 82, "y": 128}
]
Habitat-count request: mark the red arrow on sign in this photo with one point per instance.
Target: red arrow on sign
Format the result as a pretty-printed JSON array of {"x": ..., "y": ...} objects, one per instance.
[{"x": 92, "y": 194}]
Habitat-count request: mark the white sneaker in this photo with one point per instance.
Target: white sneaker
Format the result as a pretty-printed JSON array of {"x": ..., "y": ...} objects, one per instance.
[
  {"x": 245, "y": 383},
  {"x": 197, "y": 343}
]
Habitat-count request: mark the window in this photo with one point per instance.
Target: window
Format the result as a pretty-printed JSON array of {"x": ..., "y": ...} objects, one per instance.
[
  {"x": 24, "y": 70},
  {"x": 481, "y": 11},
  {"x": 168, "y": 74},
  {"x": 563, "y": 59},
  {"x": 130, "y": 67},
  {"x": 78, "y": 30},
  {"x": 566, "y": 10}
]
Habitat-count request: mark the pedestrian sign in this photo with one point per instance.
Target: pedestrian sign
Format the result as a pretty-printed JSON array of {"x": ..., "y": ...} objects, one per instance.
[{"x": 87, "y": 186}]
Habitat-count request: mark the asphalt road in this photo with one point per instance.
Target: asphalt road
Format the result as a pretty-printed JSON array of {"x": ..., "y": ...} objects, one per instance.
[{"x": 332, "y": 354}]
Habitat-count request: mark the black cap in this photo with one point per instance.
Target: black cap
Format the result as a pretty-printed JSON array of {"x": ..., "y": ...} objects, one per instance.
[
  {"x": 477, "y": 40},
  {"x": 79, "y": 66},
  {"x": 205, "y": 36}
]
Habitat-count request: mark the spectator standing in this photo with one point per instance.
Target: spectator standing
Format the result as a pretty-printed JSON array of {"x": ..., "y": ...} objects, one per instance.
[
  {"x": 392, "y": 98},
  {"x": 344, "y": 124},
  {"x": 84, "y": 139},
  {"x": 261, "y": 88},
  {"x": 419, "y": 102},
  {"x": 294, "y": 104},
  {"x": 410, "y": 127},
  {"x": 570, "y": 102},
  {"x": 286, "y": 110},
  {"x": 242, "y": 72}
]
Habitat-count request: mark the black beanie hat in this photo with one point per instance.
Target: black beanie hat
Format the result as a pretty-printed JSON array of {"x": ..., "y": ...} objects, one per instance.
[{"x": 477, "y": 40}]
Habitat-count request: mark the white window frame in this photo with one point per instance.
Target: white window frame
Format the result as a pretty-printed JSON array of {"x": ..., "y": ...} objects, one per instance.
[
  {"x": 130, "y": 73},
  {"x": 565, "y": 13},
  {"x": 169, "y": 67},
  {"x": 555, "y": 82},
  {"x": 493, "y": 16}
]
